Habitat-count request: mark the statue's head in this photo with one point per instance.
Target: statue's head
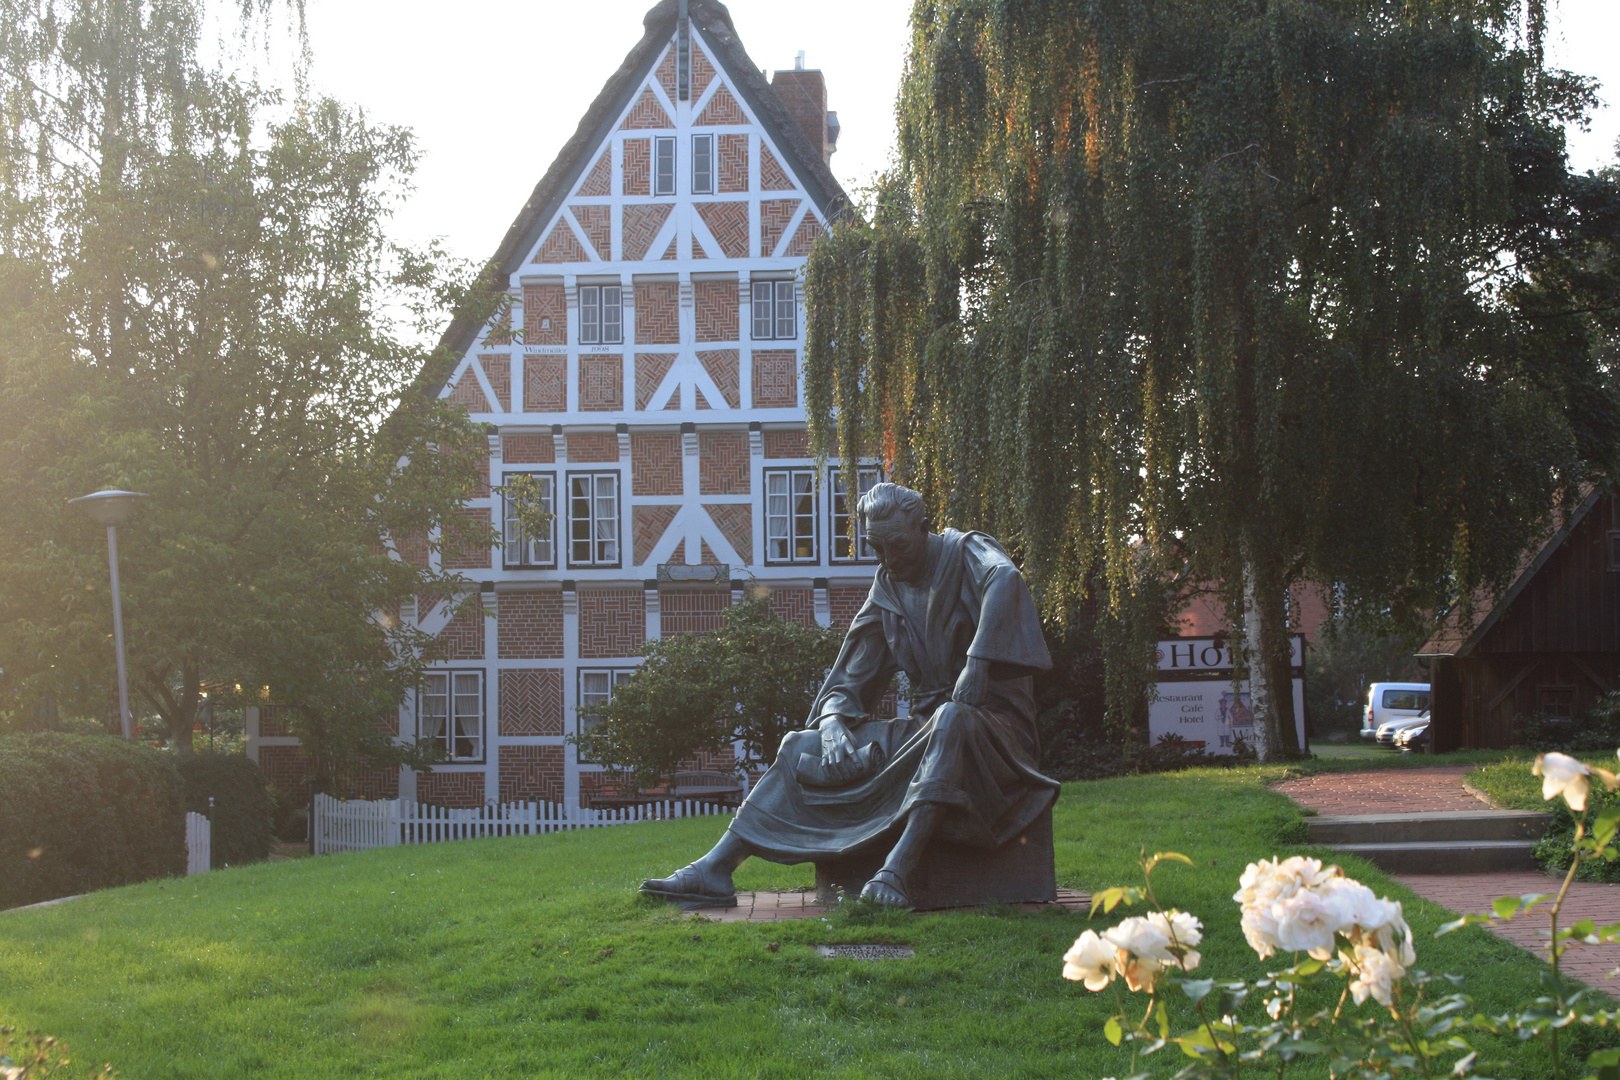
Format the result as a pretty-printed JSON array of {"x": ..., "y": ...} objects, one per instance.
[{"x": 896, "y": 529}]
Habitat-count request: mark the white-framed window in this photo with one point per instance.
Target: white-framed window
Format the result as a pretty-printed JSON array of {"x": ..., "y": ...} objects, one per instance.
[
  {"x": 843, "y": 514},
  {"x": 450, "y": 711},
  {"x": 601, "y": 314},
  {"x": 775, "y": 311},
  {"x": 519, "y": 548},
  {"x": 703, "y": 164},
  {"x": 593, "y": 519},
  {"x": 790, "y": 515},
  {"x": 596, "y": 686},
  {"x": 664, "y": 166}
]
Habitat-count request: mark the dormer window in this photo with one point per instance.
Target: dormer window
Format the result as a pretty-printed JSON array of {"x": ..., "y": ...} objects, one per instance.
[{"x": 703, "y": 164}]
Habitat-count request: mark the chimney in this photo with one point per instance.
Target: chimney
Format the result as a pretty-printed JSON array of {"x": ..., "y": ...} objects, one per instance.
[{"x": 804, "y": 92}]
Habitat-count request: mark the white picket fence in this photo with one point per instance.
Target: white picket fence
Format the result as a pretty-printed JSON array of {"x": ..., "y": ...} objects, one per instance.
[
  {"x": 199, "y": 844},
  {"x": 357, "y": 824}
]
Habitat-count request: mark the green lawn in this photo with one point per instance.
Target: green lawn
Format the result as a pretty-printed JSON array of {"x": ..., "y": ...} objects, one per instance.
[
  {"x": 532, "y": 957},
  {"x": 1511, "y": 784}
]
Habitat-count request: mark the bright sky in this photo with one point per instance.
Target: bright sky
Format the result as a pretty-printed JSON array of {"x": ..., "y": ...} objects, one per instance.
[{"x": 494, "y": 91}]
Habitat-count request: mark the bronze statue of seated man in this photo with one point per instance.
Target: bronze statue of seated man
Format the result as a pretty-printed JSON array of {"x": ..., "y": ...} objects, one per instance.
[{"x": 953, "y": 612}]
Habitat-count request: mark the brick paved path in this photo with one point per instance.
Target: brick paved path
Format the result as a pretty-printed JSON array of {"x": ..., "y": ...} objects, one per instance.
[
  {"x": 1440, "y": 788},
  {"x": 779, "y": 906},
  {"x": 1473, "y": 893},
  {"x": 1385, "y": 791}
]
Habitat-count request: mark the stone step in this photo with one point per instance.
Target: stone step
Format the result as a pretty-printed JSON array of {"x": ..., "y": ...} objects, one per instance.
[
  {"x": 1446, "y": 856},
  {"x": 1448, "y": 825}
]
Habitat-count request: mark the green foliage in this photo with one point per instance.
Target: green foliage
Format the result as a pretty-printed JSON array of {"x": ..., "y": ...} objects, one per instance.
[
  {"x": 486, "y": 958},
  {"x": 1250, "y": 293},
  {"x": 526, "y": 504},
  {"x": 1596, "y": 732},
  {"x": 754, "y": 679},
  {"x": 289, "y": 814},
  {"x": 84, "y": 812},
  {"x": 33, "y": 1055},
  {"x": 1556, "y": 850},
  {"x": 1509, "y": 784},
  {"x": 196, "y": 298},
  {"x": 1091, "y": 707},
  {"x": 242, "y": 814}
]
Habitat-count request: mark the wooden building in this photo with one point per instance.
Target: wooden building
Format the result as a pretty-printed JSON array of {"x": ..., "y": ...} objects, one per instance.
[{"x": 1550, "y": 645}]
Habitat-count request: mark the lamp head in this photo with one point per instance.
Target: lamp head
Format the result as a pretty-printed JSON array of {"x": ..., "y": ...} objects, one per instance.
[{"x": 109, "y": 507}]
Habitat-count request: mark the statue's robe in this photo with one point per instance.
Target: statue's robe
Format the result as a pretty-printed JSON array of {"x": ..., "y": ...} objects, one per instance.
[{"x": 976, "y": 762}]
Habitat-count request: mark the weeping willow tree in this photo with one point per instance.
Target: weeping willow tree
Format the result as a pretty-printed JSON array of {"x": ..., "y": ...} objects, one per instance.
[
  {"x": 198, "y": 299},
  {"x": 1226, "y": 289}
]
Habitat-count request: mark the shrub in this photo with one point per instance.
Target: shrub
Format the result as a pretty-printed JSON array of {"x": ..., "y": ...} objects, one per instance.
[
  {"x": 290, "y": 816},
  {"x": 1597, "y": 731},
  {"x": 243, "y": 813},
  {"x": 83, "y": 812},
  {"x": 1557, "y": 848}
]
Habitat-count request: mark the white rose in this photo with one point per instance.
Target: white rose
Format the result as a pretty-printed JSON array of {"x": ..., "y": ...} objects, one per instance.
[
  {"x": 1140, "y": 937},
  {"x": 1354, "y": 905},
  {"x": 1563, "y": 775},
  {"x": 1260, "y": 930},
  {"x": 1183, "y": 929},
  {"x": 1142, "y": 951},
  {"x": 1090, "y": 960},
  {"x": 1139, "y": 971},
  {"x": 1305, "y": 924},
  {"x": 1266, "y": 881},
  {"x": 1376, "y": 975},
  {"x": 1394, "y": 938},
  {"x": 1299, "y": 872}
]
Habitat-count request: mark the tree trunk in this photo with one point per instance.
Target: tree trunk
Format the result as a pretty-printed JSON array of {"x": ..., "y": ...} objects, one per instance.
[
  {"x": 1265, "y": 632},
  {"x": 183, "y": 716}
]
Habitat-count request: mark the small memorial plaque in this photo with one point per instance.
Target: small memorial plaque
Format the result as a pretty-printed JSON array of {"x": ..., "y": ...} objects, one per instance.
[
  {"x": 677, "y": 573},
  {"x": 866, "y": 952}
]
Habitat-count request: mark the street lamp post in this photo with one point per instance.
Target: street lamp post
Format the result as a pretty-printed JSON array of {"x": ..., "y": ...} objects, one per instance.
[{"x": 112, "y": 508}]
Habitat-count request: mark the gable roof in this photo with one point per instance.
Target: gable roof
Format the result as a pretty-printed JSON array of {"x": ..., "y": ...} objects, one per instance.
[
  {"x": 1459, "y": 634},
  {"x": 712, "y": 19}
]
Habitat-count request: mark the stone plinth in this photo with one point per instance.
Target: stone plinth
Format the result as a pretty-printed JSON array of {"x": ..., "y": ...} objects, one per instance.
[{"x": 951, "y": 875}]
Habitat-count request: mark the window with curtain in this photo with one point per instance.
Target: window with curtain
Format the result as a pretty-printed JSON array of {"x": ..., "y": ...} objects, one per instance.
[
  {"x": 790, "y": 516},
  {"x": 845, "y": 549},
  {"x": 520, "y": 549},
  {"x": 596, "y": 687},
  {"x": 593, "y": 519},
  {"x": 450, "y": 711}
]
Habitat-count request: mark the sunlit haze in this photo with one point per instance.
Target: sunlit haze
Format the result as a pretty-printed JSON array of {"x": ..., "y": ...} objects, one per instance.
[{"x": 494, "y": 88}]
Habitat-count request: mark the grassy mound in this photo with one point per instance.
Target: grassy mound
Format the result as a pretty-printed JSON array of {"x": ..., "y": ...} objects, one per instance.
[{"x": 532, "y": 957}]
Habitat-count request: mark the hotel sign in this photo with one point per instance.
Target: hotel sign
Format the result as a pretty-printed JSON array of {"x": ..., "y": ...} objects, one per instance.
[
  {"x": 1197, "y": 701},
  {"x": 1193, "y": 657}
]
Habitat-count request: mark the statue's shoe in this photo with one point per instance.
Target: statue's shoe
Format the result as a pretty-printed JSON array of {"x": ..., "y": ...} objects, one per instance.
[
  {"x": 689, "y": 887},
  {"x": 887, "y": 888}
]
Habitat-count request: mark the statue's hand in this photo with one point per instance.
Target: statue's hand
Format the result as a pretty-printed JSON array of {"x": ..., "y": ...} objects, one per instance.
[
  {"x": 836, "y": 745},
  {"x": 972, "y": 683}
]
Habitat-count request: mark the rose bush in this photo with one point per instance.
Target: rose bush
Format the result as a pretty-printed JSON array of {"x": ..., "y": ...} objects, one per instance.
[{"x": 1338, "y": 929}]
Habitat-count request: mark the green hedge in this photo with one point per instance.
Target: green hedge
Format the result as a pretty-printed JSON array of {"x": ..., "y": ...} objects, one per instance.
[
  {"x": 243, "y": 813},
  {"x": 83, "y": 812}
]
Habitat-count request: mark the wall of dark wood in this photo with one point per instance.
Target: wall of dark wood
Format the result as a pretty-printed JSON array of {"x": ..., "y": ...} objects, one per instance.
[
  {"x": 1573, "y": 602},
  {"x": 1556, "y": 647}
]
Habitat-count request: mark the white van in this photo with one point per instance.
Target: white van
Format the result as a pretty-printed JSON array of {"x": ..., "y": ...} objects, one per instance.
[{"x": 1388, "y": 701}]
